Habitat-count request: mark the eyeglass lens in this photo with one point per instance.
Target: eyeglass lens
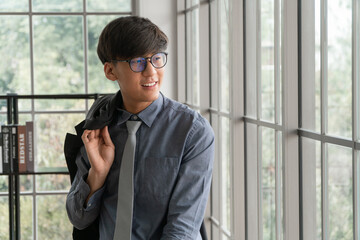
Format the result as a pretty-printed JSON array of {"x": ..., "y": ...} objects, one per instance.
[{"x": 158, "y": 60}]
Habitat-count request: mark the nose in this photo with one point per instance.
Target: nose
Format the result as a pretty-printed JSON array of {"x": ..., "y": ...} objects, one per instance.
[{"x": 149, "y": 70}]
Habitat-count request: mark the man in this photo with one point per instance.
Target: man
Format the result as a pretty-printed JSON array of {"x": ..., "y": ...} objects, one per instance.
[{"x": 172, "y": 150}]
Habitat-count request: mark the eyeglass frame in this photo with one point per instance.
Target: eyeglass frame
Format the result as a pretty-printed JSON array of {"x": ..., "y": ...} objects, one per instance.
[{"x": 146, "y": 59}]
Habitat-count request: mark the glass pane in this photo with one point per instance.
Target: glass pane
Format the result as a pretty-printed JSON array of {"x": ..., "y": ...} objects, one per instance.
[
  {"x": 4, "y": 184},
  {"x": 53, "y": 222},
  {"x": 109, "y": 5},
  {"x": 24, "y": 104},
  {"x": 59, "y": 104},
  {"x": 195, "y": 61},
  {"x": 23, "y": 118},
  {"x": 226, "y": 174},
  {"x": 14, "y": 6},
  {"x": 4, "y": 218},
  {"x": 3, "y": 119},
  {"x": 250, "y": 51},
  {"x": 15, "y": 55},
  {"x": 26, "y": 183},
  {"x": 189, "y": 62},
  {"x": 50, "y": 131},
  {"x": 340, "y": 190},
  {"x": 224, "y": 83},
  {"x": 53, "y": 182},
  {"x": 195, "y": 2},
  {"x": 268, "y": 183},
  {"x": 252, "y": 181},
  {"x": 215, "y": 186},
  {"x": 26, "y": 217},
  {"x": 267, "y": 60},
  {"x": 98, "y": 83},
  {"x": 311, "y": 170},
  {"x": 340, "y": 68},
  {"x": 57, "y": 5},
  {"x": 58, "y": 54},
  {"x": 317, "y": 87}
]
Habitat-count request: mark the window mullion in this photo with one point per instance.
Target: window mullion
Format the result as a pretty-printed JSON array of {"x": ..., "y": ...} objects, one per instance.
[
  {"x": 324, "y": 120},
  {"x": 258, "y": 60},
  {"x": 259, "y": 174},
  {"x": 355, "y": 115}
]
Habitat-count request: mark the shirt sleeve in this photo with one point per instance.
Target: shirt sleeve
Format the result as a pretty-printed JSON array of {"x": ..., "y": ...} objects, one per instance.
[
  {"x": 188, "y": 201},
  {"x": 82, "y": 216}
]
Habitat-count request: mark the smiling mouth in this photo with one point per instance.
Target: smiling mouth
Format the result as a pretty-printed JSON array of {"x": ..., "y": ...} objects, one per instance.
[{"x": 149, "y": 84}]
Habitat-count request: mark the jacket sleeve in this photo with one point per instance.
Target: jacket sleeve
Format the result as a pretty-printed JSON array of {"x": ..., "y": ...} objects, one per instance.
[
  {"x": 188, "y": 201},
  {"x": 82, "y": 216}
]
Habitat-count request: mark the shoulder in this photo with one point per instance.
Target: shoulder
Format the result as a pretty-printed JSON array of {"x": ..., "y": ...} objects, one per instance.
[{"x": 187, "y": 117}]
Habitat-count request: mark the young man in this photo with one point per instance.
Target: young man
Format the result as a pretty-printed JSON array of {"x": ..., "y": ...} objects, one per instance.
[{"x": 172, "y": 149}]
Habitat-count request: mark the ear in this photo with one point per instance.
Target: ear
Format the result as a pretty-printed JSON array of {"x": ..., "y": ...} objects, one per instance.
[{"x": 109, "y": 70}]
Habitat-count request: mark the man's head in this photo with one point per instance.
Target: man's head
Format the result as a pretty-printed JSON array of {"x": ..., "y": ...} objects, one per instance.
[
  {"x": 128, "y": 37},
  {"x": 131, "y": 49}
]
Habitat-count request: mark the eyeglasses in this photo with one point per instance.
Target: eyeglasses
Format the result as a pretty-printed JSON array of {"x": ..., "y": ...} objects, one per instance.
[{"x": 158, "y": 60}]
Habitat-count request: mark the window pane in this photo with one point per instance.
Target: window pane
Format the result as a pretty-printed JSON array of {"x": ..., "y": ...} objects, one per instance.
[
  {"x": 215, "y": 186},
  {"x": 14, "y": 6},
  {"x": 267, "y": 59},
  {"x": 26, "y": 217},
  {"x": 50, "y": 134},
  {"x": 53, "y": 222},
  {"x": 4, "y": 184},
  {"x": 224, "y": 83},
  {"x": 252, "y": 181},
  {"x": 268, "y": 182},
  {"x": 340, "y": 190},
  {"x": 4, "y": 218},
  {"x": 311, "y": 170},
  {"x": 59, "y": 104},
  {"x": 317, "y": 84},
  {"x": 195, "y": 61},
  {"x": 57, "y": 5},
  {"x": 26, "y": 183},
  {"x": 52, "y": 182},
  {"x": 15, "y": 55},
  {"x": 109, "y": 5},
  {"x": 340, "y": 67},
  {"x": 24, "y": 104},
  {"x": 98, "y": 83},
  {"x": 58, "y": 54},
  {"x": 226, "y": 174},
  {"x": 189, "y": 62},
  {"x": 250, "y": 51}
]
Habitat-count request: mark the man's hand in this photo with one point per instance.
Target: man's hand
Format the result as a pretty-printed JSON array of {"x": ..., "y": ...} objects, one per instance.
[{"x": 101, "y": 152}]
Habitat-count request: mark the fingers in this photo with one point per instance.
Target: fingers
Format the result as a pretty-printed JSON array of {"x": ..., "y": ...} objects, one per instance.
[
  {"x": 86, "y": 136},
  {"x": 89, "y": 135},
  {"x": 106, "y": 136}
]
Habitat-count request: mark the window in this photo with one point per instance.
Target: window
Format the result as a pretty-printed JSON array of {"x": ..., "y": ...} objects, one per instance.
[
  {"x": 330, "y": 119},
  {"x": 264, "y": 129},
  {"x": 49, "y": 47},
  {"x": 254, "y": 113}
]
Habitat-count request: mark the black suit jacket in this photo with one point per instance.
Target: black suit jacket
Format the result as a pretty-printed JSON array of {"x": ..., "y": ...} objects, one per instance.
[{"x": 99, "y": 116}]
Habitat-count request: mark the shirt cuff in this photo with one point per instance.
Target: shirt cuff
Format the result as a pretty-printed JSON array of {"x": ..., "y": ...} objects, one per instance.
[{"x": 84, "y": 191}]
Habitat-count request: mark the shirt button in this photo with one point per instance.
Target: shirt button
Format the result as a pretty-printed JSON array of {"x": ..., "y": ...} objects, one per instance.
[
  {"x": 89, "y": 205},
  {"x": 135, "y": 118}
]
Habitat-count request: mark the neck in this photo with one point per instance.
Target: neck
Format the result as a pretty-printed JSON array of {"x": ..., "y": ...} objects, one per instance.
[{"x": 135, "y": 108}]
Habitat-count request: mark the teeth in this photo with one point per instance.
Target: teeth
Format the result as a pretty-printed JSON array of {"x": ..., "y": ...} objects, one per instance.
[{"x": 149, "y": 84}]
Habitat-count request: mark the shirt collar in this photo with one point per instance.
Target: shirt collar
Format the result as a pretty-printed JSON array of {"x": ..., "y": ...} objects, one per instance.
[{"x": 147, "y": 115}]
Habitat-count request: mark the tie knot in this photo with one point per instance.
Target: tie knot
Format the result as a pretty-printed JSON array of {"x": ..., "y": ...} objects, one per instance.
[{"x": 133, "y": 126}]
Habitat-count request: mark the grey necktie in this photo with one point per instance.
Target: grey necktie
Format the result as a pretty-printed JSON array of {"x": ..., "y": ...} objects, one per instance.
[{"x": 124, "y": 211}]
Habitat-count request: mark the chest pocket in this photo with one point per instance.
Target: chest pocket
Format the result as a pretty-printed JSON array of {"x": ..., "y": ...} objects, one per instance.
[{"x": 158, "y": 177}]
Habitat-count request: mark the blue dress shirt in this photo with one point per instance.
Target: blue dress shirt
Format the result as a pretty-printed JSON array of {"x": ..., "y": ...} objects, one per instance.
[{"x": 172, "y": 175}]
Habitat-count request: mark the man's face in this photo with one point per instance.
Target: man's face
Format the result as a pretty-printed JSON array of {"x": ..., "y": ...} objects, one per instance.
[{"x": 138, "y": 88}]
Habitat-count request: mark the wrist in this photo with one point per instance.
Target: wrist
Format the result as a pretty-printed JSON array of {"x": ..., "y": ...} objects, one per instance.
[{"x": 95, "y": 180}]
